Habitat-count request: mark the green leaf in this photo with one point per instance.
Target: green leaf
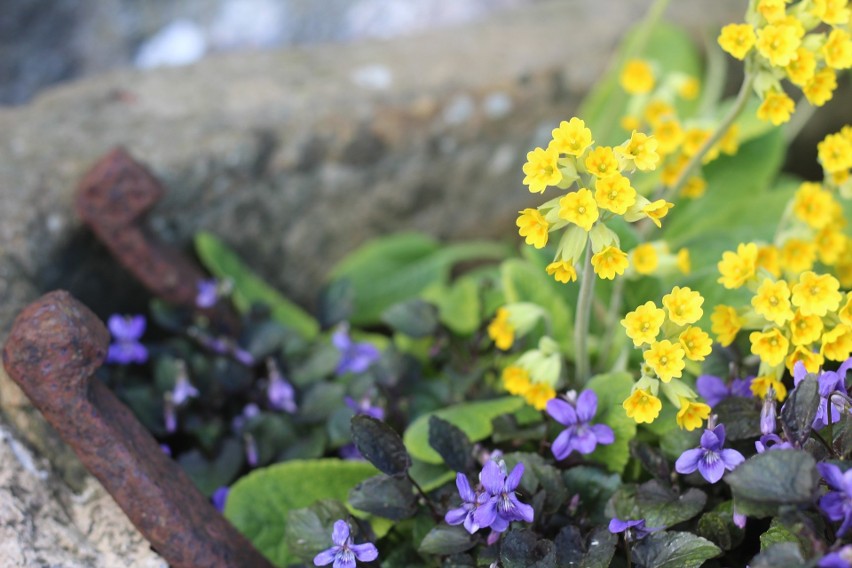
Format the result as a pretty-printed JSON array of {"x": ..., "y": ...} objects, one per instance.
[
  {"x": 522, "y": 549},
  {"x": 779, "y": 555},
  {"x": 741, "y": 417},
  {"x": 385, "y": 496},
  {"x": 459, "y": 305},
  {"x": 249, "y": 288},
  {"x": 210, "y": 475},
  {"x": 380, "y": 444},
  {"x": 595, "y": 551},
  {"x": 445, "y": 539},
  {"x": 393, "y": 269},
  {"x": 430, "y": 476},
  {"x": 259, "y": 502},
  {"x": 766, "y": 481},
  {"x": 798, "y": 413},
  {"x": 612, "y": 389},
  {"x": 415, "y": 318},
  {"x": 594, "y": 486},
  {"x": 671, "y": 549},
  {"x": 718, "y": 527},
  {"x": 658, "y": 504},
  {"x": 474, "y": 419},
  {"x": 451, "y": 443},
  {"x": 309, "y": 530},
  {"x": 525, "y": 282}
]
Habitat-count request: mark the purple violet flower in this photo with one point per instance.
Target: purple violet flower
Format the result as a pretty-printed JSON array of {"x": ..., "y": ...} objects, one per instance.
[
  {"x": 633, "y": 529},
  {"x": 279, "y": 392},
  {"x": 126, "y": 331},
  {"x": 251, "y": 450},
  {"x": 208, "y": 293},
  {"x": 183, "y": 390},
  {"x": 714, "y": 390},
  {"x": 471, "y": 500},
  {"x": 579, "y": 435},
  {"x": 501, "y": 505},
  {"x": 350, "y": 452},
  {"x": 739, "y": 519},
  {"x": 219, "y": 498},
  {"x": 249, "y": 411},
  {"x": 344, "y": 553},
  {"x": 365, "y": 406},
  {"x": 837, "y": 504},
  {"x": 710, "y": 459},
  {"x": 839, "y": 559},
  {"x": 769, "y": 442},
  {"x": 354, "y": 357},
  {"x": 829, "y": 382},
  {"x": 767, "y": 413}
]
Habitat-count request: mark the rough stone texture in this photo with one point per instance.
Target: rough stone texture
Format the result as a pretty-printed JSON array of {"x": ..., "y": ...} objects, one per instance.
[{"x": 42, "y": 523}]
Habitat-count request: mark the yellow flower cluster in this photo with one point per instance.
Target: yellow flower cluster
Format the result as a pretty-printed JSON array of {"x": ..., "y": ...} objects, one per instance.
[
  {"x": 571, "y": 157},
  {"x": 656, "y": 258},
  {"x": 806, "y": 43},
  {"x": 668, "y": 339},
  {"x": 535, "y": 374},
  {"x": 652, "y": 108},
  {"x": 835, "y": 156}
]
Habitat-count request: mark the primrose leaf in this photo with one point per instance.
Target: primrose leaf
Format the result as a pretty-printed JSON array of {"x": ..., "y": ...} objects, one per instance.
[
  {"x": 415, "y": 318},
  {"x": 380, "y": 444},
  {"x": 259, "y": 502},
  {"x": 525, "y": 282},
  {"x": 672, "y": 549},
  {"x": 473, "y": 418},
  {"x": 249, "y": 288},
  {"x": 611, "y": 390},
  {"x": 793, "y": 478}
]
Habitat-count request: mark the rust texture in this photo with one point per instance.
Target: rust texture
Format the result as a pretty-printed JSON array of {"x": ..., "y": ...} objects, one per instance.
[{"x": 54, "y": 348}]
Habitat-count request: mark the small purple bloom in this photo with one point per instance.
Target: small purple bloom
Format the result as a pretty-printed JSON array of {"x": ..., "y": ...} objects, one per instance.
[
  {"x": 350, "y": 452},
  {"x": 251, "y": 449},
  {"x": 837, "y": 504},
  {"x": 354, "y": 357},
  {"x": 767, "y": 413},
  {"x": 714, "y": 390},
  {"x": 183, "y": 390},
  {"x": 279, "y": 392},
  {"x": 770, "y": 442},
  {"x": 471, "y": 500},
  {"x": 633, "y": 529},
  {"x": 344, "y": 553},
  {"x": 249, "y": 411},
  {"x": 219, "y": 498},
  {"x": 710, "y": 459},
  {"x": 829, "y": 382},
  {"x": 365, "y": 406},
  {"x": 166, "y": 449},
  {"x": 839, "y": 559},
  {"x": 501, "y": 506},
  {"x": 242, "y": 356},
  {"x": 580, "y": 434},
  {"x": 739, "y": 519},
  {"x": 169, "y": 414},
  {"x": 126, "y": 331},
  {"x": 208, "y": 293}
]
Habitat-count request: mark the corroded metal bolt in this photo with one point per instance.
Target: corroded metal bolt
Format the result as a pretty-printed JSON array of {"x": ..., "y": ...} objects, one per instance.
[{"x": 55, "y": 346}]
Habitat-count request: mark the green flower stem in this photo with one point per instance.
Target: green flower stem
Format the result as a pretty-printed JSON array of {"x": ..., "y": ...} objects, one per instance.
[
  {"x": 581, "y": 323},
  {"x": 733, "y": 113},
  {"x": 801, "y": 116},
  {"x": 611, "y": 320}
]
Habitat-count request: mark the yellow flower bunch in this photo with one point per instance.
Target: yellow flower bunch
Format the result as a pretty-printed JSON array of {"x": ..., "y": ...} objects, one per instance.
[
  {"x": 535, "y": 374},
  {"x": 656, "y": 258},
  {"x": 668, "y": 338},
  {"x": 805, "y": 42},
  {"x": 603, "y": 192},
  {"x": 835, "y": 155}
]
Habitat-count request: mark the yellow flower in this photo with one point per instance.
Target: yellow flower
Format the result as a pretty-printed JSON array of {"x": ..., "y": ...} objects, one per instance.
[
  {"x": 669, "y": 135},
  {"x": 683, "y": 261},
  {"x": 831, "y": 11},
  {"x": 767, "y": 259},
  {"x": 771, "y": 346},
  {"x": 737, "y": 39},
  {"x": 812, "y": 361},
  {"x": 657, "y": 110},
  {"x": 644, "y": 258},
  {"x": 726, "y": 324},
  {"x": 821, "y": 87},
  {"x": 656, "y": 210},
  {"x": 694, "y": 187},
  {"x": 816, "y": 294},
  {"x": 541, "y": 169},
  {"x": 772, "y": 10},
  {"x": 776, "y": 107},
  {"x": 837, "y": 343},
  {"x": 813, "y": 205},
  {"x": 760, "y": 386},
  {"x": 778, "y": 43},
  {"x": 801, "y": 69},
  {"x": 692, "y": 414},
  {"x": 609, "y": 262},
  {"x": 696, "y": 343},
  {"x": 805, "y": 329},
  {"x": 516, "y": 380},
  {"x": 614, "y": 193},
  {"x": 738, "y": 268},
  {"x": 642, "y": 406},
  {"x": 683, "y": 305},
  {"x": 501, "y": 331},
  {"x": 571, "y": 137},
  {"x": 562, "y": 271},
  {"x": 689, "y": 88},
  {"x": 835, "y": 153},
  {"x": 845, "y": 313},
  {"x": 830, "y": 244},
  {"x": 533, "y": 227},
  {"x": 641, "y": 150},
  {"x": 838, "y": 49},
  {"x": 772, "y": 301},
  {"x": 730, "y": 142},
  {"x": 601, "y": 162},
  {"x": 693, "y": 139},
  {"x": 629, "y": 122},
  {"x": 666, "y": 358},
  {"x": 538, "y": 394},
  {"x": 798, "y": 255},
  {"x": 579, "y": 208},
  {"x": 643, "y": 323},
  {"x": 637, "y": 77}
]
